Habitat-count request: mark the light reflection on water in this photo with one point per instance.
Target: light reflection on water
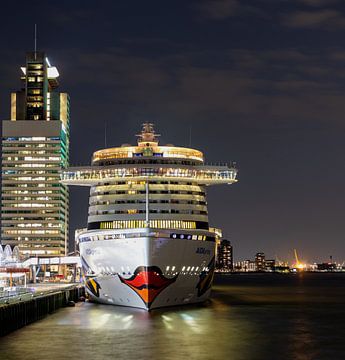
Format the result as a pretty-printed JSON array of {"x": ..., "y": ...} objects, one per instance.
[{"x": 242, "y": 321}]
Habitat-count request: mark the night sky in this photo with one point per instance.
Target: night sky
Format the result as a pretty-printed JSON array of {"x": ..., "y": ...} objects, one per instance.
[{"x": 258, "y": 82}]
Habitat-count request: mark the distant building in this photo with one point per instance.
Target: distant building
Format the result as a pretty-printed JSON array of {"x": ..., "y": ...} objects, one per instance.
[
  {"x": 224, "y": 256},
  {"x": 261, "y": 264},
  {"x": 35, "y": 147},
  {"x": 260, "y": 261},
  {"x": 270, "y": 265},
  {"x": 282, "y": 268},
  {"x": 245, "y": 266},
  {"x": 327, "y": 267}
]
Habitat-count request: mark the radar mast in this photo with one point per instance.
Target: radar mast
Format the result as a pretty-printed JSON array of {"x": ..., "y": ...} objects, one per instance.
[{"x": 148, "y": 137}]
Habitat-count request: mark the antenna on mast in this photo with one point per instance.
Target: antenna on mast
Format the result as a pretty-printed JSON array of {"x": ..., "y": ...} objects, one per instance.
[
  {"x": 105, "y": 134},
  {"x": 147, "y": 135},
  {"x": 190, "y": 135},
  {"x": 35, "y": 41}
]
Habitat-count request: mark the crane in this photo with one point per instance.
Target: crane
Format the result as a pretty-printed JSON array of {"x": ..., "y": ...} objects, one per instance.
[{"x": 298, "y": 265}]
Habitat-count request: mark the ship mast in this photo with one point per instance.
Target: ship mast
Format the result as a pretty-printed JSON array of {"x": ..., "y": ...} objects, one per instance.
[
  {"x": 147, "y": 201},
  {"x": 147, "y": 137}
]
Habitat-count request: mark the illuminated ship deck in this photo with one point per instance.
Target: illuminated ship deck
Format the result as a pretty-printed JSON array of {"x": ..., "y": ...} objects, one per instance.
[
  {"x": 149, "y": 162},
  {"x": 206, "y": 175}
]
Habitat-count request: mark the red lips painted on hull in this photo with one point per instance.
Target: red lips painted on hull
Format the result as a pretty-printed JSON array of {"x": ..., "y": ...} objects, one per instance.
[{"x": 148, "y": 282}]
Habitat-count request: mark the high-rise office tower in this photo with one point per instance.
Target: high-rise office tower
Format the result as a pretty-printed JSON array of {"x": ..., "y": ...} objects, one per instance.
[
  {"x": 35, "y": 147},
  {"x": 224, "y": 260}
]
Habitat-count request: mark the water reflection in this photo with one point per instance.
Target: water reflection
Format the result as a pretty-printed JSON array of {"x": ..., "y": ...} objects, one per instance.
[{"x": 241, "y": 322}]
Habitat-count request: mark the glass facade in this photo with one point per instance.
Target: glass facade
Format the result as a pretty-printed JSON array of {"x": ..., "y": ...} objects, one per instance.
[{"x": 35, "y": 147}]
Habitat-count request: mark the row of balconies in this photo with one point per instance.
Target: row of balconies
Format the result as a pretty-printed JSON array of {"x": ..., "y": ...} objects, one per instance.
[
  {"x": 174, "y": 201},
  {"x": 151, "y": 211}
]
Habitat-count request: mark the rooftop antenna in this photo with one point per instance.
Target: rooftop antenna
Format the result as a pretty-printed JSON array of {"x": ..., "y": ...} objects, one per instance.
[
  {"x": 35, "y": 41},
  {"x": 190, "y": 135},
  {"x": 105, "y": 134}
]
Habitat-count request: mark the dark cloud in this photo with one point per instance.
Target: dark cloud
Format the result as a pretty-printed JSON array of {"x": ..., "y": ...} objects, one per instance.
[
  {"x": 338, "y": 55},
  {"x": 327, "y": 19},
  {"x": 275, "y": 83},
  {"x": 319, "y": 3},
  {"x": 218, "y": 9}
]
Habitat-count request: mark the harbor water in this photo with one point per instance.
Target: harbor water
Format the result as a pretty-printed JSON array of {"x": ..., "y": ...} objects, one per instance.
[{"x": 260, "y": 316}]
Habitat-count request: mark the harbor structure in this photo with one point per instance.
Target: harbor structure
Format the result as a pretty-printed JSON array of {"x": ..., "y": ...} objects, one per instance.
[
  {"x": 35, "y": 147},
  {"x": 148, "y": 241}
]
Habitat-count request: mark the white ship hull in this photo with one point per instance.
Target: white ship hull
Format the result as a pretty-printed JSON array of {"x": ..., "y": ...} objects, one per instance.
[{"x": 148, "y": 272}]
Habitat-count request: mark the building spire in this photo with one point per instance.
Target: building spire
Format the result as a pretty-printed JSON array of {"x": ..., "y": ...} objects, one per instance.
[{"x": 35, "y": 41}]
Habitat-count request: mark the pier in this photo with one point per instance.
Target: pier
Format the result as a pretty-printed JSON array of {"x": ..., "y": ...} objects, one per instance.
[{"x": 24, "y": 306}]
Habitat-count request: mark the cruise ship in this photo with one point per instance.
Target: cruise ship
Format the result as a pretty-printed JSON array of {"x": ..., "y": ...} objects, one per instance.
[{"x": 148, "y": 243}]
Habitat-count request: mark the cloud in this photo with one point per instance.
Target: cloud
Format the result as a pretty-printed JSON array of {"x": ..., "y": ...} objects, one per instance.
[
  {"x": 218, "y": 9},
  {"x": 282, "y": 84},
  {"x": 338, "y": 55},
  {"x": 314, "y": 19},
  {"x": 319, "y": 3}
]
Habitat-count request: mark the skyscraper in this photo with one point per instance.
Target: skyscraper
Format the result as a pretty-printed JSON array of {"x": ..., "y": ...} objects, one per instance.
[
  {"x": 35, "y": 147},
  {"x": 224, "y": 260}
]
